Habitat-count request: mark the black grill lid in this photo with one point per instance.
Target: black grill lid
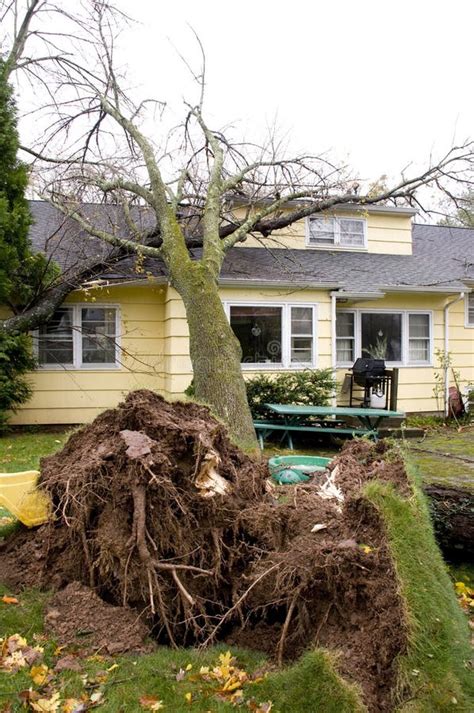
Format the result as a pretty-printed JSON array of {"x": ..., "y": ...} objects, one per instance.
[{"x": 367, "y": 369}]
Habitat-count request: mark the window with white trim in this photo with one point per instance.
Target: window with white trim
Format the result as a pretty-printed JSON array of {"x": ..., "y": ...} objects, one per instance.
[
  {"x": 381, "y": 335},
  {"x": 345, "y": 337},
  {"x": 338, "y": 232},
  {"x": 400, "y": 338},
  {"x": 79, "y": 336},
  {"x": 418, "y": 338},
  {"x": 470, "y": 309},
  {"x": 281, "y": 335}
]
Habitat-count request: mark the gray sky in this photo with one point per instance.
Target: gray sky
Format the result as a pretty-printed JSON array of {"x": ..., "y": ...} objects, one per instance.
[{"x": 381, "y": 83}]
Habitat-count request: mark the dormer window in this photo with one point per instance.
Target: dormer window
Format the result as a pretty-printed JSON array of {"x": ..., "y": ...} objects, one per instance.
[{"x": 324, "y": 231}]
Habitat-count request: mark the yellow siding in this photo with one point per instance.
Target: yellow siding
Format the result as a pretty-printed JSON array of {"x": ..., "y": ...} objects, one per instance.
[
  {"x": 154, "y": 337},
  {"x": 177, "y": 355},
  {"x": 390, "y": 234},
  {"x": 415, "y": 393},
  {"x": 78, "y": 395}
]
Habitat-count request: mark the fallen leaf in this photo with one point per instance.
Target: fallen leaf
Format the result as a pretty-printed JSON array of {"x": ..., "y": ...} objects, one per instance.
[
  {"x": 15, "y": 642},
  {"x": 189, "y": 667},
  {"x": 74, "y": 705},
  {"x": 151, "y": 703},
  {"x": 188, "y": 697},
  {"x": 225, "y": 659},
  {"x": 96, "y": 697},
  {"x": 47, "y": 705},
  {"x": 181, "y": 674},
  {"x": 68, "y": 663},
  {"x": 9, "y": 600},
  {"x": 318, "y": 527},
  {"x": 237, "y": 698},
  {"x": 39, "y": 674}
]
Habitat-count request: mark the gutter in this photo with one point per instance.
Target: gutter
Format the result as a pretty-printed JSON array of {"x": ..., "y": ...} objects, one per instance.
[
  {"x": 446, "y": 350},
  {"x": 422, "y": 288},
  {"x": 333, "y": 347},
  {"x": 277, "y": 284}
]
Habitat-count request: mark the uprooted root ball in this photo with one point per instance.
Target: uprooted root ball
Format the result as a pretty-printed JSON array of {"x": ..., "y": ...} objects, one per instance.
[{"x": 156, "y": 510}]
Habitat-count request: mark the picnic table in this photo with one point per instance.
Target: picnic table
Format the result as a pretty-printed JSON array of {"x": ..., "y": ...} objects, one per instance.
[{"x": 322, "y": 419}]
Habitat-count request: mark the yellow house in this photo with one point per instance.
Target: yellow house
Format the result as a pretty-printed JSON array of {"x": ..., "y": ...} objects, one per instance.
[{"x": 316, "y": 295}]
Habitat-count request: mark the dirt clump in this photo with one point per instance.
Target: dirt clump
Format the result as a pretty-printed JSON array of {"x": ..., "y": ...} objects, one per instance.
[
  {"x": 159, "y": 514},
  {"x": 77, "y": 617}
]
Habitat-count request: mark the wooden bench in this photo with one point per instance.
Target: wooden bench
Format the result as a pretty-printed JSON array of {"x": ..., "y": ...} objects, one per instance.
[{"x": 266, "y": 428}]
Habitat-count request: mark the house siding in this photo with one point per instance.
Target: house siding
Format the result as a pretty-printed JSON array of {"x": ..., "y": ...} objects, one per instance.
[
  {"x": 387, "y": 234},
  {"x": 154, "y": 337},
  {"x": 79, "y": 395},
  {"x": 415, "y": 391}
]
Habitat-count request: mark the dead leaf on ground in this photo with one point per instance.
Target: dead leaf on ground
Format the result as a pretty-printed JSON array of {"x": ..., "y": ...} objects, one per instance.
[
  {"x": 39, "y": 674},
  {"x": 68, "y": 663},
  {"x": 47, "y": 705},
  {"x": 151, "y": 703},
  {"x": 9, "y": 600}
]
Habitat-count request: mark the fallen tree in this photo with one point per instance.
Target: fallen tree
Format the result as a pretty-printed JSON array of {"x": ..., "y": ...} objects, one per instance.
[{"x": 158, "y": 513}]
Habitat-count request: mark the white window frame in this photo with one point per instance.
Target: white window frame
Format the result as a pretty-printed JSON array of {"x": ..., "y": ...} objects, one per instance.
[
  {"x": 336, "y": 245},
  {"x": 468, "y": 297},
  {"x": 77, "y": 340},
  {"x": 285, "y": 363},
  {"x": 354, "y": 338},
  {"x": 405, "y": 336}
]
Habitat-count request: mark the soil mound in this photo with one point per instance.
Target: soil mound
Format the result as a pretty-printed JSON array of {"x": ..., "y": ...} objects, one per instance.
[
  {"x": 156, "y": 511},
  {"x": 77, "y": 617}
]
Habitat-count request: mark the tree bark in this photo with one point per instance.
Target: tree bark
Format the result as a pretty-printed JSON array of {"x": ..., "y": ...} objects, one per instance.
[{"x": 215, "y": 354}]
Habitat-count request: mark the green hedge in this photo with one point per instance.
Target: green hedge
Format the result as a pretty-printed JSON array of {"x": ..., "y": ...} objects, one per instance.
[{"x": 311, "y": 386}]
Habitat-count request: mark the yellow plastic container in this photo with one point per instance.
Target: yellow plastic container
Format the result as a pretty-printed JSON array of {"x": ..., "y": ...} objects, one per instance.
[{"x": 18, "y": 494}]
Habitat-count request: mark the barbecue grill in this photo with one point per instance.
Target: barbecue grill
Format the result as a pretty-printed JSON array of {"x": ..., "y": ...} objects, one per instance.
[{"x": 371, "y": 375}]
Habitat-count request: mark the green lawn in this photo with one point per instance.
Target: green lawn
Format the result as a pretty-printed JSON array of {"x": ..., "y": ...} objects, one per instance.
[
  {"x": 445, "y": 456},
  {"x": 22, "y": 451}
]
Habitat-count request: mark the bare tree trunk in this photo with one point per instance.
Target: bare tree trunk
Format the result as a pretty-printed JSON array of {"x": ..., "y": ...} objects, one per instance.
[{"x": 215, "y": 354}]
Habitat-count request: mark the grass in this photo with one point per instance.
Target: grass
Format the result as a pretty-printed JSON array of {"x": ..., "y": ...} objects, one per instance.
[
  {"x": 22, "y": 451},
  {"x": 433, "y": 670},
  {"x": 311, "y": 684},
  {"x": 446, "y": 455}
]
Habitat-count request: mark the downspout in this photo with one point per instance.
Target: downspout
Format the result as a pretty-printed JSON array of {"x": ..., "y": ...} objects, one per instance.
[
  {"x": 446, "y": 350},
  {"x": 333, "y": 347}
]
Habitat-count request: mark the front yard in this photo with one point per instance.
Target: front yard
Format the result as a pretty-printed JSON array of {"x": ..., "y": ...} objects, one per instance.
[{"x": 187, "y": 679}]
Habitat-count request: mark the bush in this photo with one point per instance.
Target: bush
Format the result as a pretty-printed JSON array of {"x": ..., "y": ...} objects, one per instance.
[
  {"x": 311, "y": 386},
  {"x": 15, "y": 361}
]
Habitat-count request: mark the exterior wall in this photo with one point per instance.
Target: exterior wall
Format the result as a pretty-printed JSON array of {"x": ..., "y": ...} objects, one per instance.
[
  {"x": 79, "y": 395},
  {"x": 154, "y": 339},
  {"x": 389, "y": 234},
  {"x": 177, "y": 345},
  {"x": 415, "y": 391}
]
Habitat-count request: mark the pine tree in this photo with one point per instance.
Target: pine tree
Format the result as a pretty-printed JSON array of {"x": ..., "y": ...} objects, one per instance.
[{"x": 20, "y": 270}]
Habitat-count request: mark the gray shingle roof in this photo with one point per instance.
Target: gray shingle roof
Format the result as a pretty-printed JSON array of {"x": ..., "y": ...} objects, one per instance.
[{"x": 443, "y": 257}]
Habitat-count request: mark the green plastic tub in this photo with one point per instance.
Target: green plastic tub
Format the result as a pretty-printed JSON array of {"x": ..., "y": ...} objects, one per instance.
[{"x": 296, "y": 469}]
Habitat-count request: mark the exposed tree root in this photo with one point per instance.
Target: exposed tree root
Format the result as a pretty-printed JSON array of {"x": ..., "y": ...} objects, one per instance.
[{"x": 159, "y": 512}]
